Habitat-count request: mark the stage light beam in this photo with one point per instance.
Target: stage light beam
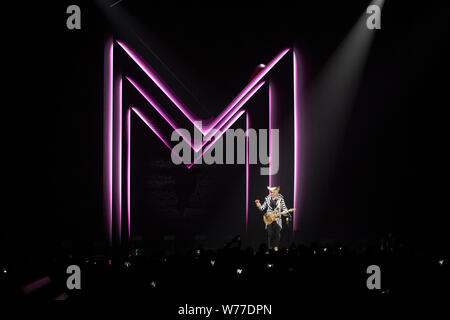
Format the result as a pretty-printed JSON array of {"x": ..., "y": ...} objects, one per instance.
[{"x": 332, "y": 97}]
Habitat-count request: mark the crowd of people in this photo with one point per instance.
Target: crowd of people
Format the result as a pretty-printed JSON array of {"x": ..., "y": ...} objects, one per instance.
[{"x": 234, "y": 271}]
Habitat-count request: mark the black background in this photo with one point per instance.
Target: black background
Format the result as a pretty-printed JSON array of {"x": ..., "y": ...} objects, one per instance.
[{"x": 389, "y": 175}]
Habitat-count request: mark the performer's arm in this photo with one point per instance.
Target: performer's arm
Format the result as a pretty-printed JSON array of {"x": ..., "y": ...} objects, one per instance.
[
  {"x": 261, "y": 207},
  {"x": 284, "y": 208},
  {"x": 283, "y": 205}
]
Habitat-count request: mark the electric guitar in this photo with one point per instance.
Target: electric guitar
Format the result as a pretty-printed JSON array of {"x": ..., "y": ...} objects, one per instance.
[{"x": 272, "y": 216}]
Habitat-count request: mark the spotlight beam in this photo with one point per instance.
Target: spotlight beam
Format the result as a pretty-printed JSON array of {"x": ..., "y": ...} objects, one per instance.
[{"x": 333, "y": 94}]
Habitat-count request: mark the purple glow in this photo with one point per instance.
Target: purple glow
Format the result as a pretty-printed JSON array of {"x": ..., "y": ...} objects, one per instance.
[
  {"x": 227, "y": 117},
  {"x": 110, "y": 142},
  {"x": 296, "y": 137},
  {"x": 210, "y": 134},
  {"x": 188, "y": 165},
  {"x": 163, "y": 86},
  {"x": 36, "y": 285},
  {"x": 148, "y": 123},
  {"x": 160, "y": 110},
  {"x": 159, "y": 82},
  {"x": 128, "y": 169},
  {"x": 236, "y": 109},
  {"x": 62, "y": 296},
  {"x": 252, "y": 83},
  {"x": 247, "y": 168},
  {"x": 227, "y": 126},
  {"x": 119, "y": 158},
  {"x": 270, "y": 132}
]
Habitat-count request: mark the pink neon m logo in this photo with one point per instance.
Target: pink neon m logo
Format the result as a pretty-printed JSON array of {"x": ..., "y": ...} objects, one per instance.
[{"x": 118, "y": 123}]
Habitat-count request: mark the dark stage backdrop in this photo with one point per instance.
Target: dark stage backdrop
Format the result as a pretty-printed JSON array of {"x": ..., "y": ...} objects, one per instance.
[{"x": 386, "y": 176}]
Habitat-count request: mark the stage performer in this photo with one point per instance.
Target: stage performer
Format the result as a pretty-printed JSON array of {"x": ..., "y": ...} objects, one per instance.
[{"x": 274, "y": 201}]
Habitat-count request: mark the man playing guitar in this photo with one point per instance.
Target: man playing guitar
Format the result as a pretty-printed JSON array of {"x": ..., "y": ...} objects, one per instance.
[{"x": 274, "y": 203}]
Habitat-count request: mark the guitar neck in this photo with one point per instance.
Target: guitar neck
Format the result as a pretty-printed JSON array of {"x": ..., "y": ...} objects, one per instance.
[{"x": 284, "y": 212}]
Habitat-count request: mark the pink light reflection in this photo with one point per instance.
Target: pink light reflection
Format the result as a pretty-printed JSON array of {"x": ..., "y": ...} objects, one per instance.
[
  {"x": 236, "y": 109},
  {"x": 128, "y": 169},
  {"x": 247, "y": 168},
  {"x": 227, "y": 126},
  {"x": 226, "y": 118},
  {"x": 296, "y": 136},
  {"x": 270, "y": 132},
  {"x": 172, "y": 123},
  {"x": 119, "y": 158},
  {"x": 35, "y": 285},
  {"x": 110, "y": 142},
  {"x": 159, "y": 82},
  {"x": 160, "y": 110},
  {"x": 163, "y": 86},
  {"x": 149, "y": 124}
]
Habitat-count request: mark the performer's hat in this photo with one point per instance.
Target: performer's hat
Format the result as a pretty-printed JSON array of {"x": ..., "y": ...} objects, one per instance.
[{"x": 272, "y": 188}]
